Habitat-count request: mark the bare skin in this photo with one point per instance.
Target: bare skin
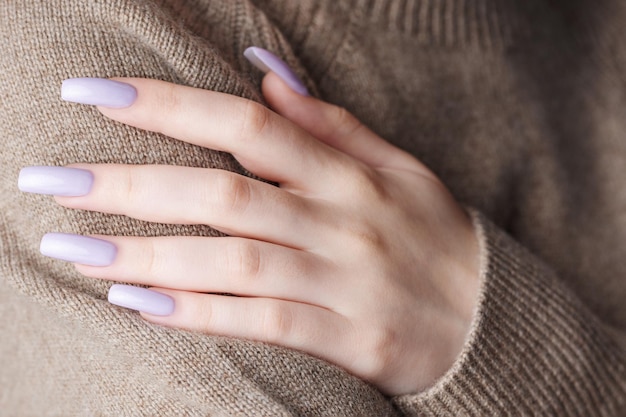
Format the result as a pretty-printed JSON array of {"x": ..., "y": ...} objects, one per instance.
[{"x": 360, "y": 257}]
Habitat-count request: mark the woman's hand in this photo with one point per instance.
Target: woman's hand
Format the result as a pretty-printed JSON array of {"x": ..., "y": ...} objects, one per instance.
[{"x": 360, "y": 257}]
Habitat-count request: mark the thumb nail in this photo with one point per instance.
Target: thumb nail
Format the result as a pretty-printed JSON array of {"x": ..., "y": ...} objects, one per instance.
[{"x": 267, "y": 61}]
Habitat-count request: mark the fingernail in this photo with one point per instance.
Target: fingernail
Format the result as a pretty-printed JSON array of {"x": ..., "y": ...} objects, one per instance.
[
  {"x": 61, "y": 181},
  {"x": 267, "y": 61},
  {"x": 98, "y": 92},
  {"x": 80, "y": 249},
  {"x": 141, "y": 299}
]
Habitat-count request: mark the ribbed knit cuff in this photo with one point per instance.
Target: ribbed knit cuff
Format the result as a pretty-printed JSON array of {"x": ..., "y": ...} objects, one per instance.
[
  {"x": 484, "y": 23},
  {"x": 534, "y": 348}
]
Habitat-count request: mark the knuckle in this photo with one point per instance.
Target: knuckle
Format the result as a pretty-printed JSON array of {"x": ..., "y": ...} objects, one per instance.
[
  {"x": 368, "y": 186},
  {"x": 346, "y": 123},
  {"x": 149, "y": 259},
  {"x": 129, "y": 187},
  {"x": 363, "y": 185},
  {"x": 378, "y": 353},
  {"x": 365, "y": 233},
  {"x": 233, "y": 193},
  {"x": 203, "y": 314},
  {"x": 256, "y": 118},
  {"x": 276, "y": 322},
  {"x": 167, "y": 100},
  {"x": 244, "y": 260},
  {"x": 365, "y": 239}
]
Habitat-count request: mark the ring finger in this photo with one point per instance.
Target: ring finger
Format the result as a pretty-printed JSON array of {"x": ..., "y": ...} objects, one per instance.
[{"x": 230, "y": 265}]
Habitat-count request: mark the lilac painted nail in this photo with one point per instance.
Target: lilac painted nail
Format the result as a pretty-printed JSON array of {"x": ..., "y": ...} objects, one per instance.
[
  {"x": 80, "y": 249},
  {"x": 98, "y": 92},
  {"x": 61, "y": 181},
  {"x": 267, "y": 61},
  {"x": 141, "y": 299}
]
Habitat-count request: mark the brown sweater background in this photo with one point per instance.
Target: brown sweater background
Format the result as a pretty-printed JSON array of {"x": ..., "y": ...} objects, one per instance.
[{"x": 519, "y": 106}]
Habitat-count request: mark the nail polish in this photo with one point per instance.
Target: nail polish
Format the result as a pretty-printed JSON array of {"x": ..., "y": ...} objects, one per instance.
[
  {"x": 98, "y": 92},
  {"x": 61, "y": 181},
  {"x": 80, "y": 249},
  {"x": 141, "y": 299},
  {"x": 267, "y": 61}
]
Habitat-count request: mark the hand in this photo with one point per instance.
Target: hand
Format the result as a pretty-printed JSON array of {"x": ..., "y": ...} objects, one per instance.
[{"x": 360, "y": 257}]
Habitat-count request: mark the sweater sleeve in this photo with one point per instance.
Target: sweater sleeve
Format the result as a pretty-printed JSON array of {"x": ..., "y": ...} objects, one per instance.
[{"x": 534, "y": 348}]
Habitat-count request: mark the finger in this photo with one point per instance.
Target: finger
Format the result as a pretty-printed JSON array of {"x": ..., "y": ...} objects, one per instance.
[
  {"x": 304, "y": 327},
  {"x": 229, "y": 202},
  {"x": 218, "y": 265},
  {"x": 335, "y": 126},
  {"x": 262, "y": 141}
]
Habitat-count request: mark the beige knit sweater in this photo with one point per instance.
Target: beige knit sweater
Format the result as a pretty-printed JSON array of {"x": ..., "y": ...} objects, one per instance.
[{"x": 518, "y": 105}]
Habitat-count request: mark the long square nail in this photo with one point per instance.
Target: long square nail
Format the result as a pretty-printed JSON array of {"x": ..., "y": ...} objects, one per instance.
[
  {"x": 98, "y": 92},
  {"x": 61, "y": 181},
  {"x": 267, "y": 61},
  {"x": 141, "y": 299},
  {"x": 80, "y": 249}
]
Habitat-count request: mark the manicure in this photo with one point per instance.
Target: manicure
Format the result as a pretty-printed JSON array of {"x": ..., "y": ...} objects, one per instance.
[
  {"x": 80, "y": 249},
  {"x": 61, "y": 181},
  {"x": 267, "y": 61},
  {"x": 98, "y": 92},
  {"x": 141, "y": 299}
]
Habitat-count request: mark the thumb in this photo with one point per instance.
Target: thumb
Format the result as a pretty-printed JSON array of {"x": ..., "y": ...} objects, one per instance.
[{"x": 334, "y": 126}]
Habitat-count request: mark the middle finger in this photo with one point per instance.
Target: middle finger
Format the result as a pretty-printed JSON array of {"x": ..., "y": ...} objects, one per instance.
[{"x": 229, "y": 202}]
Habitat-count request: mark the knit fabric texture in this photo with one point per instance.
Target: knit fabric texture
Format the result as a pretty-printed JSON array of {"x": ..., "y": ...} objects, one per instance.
[{"x": 519, "y": 106}]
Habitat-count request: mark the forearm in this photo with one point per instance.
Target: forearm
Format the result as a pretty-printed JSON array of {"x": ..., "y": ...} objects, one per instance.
[{"x": 535, "y": 348}]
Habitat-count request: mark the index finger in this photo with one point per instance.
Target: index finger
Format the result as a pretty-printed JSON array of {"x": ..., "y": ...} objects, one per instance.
[{"x": 261, "y": 140}]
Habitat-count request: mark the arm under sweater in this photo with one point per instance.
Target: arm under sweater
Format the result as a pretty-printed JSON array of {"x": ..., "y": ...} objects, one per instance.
[
  {"x": 535, "y": 349},
  {"x": 443, "y": 79}
]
